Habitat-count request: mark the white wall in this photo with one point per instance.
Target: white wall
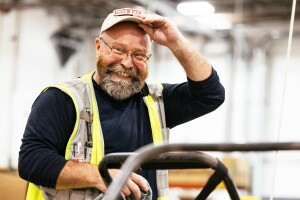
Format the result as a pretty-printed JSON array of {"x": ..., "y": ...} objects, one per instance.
[
  {"x": 282, "y": 122},
  {"x": 251, "y": 112},
  {"x": 29, "y": 63}
]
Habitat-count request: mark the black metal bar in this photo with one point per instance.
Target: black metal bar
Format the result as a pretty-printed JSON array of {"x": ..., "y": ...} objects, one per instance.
[
  {"x": 230, "y": 147},
  {"x": 231, "y": 189},
  {"x": 179, "y": 160}
]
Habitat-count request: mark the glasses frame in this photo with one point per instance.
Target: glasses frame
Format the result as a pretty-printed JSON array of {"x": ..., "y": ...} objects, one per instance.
[{"x": 125, "y": 53}]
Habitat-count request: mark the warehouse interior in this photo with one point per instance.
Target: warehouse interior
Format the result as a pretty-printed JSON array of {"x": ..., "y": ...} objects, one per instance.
[{"x": 254, "y": 45}]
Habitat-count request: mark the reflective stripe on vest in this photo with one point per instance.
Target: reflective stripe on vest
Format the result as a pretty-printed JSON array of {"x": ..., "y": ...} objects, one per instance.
[
  {"x": 34, "y": 193},
  {"x": 154, "y": 120},
  {"x": 163, "y": 198}
]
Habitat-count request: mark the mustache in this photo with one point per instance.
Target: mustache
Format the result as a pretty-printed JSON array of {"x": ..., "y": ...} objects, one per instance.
[{"x": 118, "y": 68}]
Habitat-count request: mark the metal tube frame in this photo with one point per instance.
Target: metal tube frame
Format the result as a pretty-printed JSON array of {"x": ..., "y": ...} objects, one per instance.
[{"x": 149, "y": 151}]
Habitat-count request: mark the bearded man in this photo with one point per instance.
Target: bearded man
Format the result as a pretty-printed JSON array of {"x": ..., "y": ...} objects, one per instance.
[{"x": 74, "y": 124}]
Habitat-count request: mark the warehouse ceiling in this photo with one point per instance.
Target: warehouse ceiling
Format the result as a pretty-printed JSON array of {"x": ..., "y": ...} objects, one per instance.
[{"x": 252, "y": 16}]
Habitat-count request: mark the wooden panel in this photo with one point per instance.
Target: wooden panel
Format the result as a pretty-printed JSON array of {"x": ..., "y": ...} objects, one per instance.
[
  {"x": 239, "y": 170},
  {"x": 12, "y": 187}
]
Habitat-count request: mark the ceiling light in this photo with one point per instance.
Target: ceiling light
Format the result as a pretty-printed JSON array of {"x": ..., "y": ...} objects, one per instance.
[
  {"x": 216, "y": 21},
  {"x": 195, "y": 8}
]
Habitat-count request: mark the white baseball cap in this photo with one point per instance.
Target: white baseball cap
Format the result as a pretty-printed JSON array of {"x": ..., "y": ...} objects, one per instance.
[{"x": 120, "y": 15}]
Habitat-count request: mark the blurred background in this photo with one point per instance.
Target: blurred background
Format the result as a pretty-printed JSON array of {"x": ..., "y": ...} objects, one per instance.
[{"x": 43, "y": 42}]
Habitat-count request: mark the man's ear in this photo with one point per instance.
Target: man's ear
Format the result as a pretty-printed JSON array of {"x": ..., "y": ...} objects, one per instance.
[{"x": 97, "y": 44}]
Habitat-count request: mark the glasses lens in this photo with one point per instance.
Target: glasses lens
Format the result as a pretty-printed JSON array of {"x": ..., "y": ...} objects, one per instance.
[
  {"x": 136, "y": 57},
  {"x": 140, "y": 57}
]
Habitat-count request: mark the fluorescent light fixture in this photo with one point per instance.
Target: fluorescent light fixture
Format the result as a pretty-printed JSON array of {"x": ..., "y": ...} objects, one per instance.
[
  {"x": 195, "y": 8},
  {"x": 216, "y": 21}
]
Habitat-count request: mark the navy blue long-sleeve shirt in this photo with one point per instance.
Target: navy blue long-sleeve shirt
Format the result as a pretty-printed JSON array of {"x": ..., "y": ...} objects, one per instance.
[{"x": 125, "y": 125}]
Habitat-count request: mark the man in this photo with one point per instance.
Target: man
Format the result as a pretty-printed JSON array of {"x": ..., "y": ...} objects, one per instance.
[{"x": 116, "y": 104}]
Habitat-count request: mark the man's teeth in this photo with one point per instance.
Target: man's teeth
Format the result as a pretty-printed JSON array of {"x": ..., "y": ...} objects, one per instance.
[{"x": 123, "y": 74}]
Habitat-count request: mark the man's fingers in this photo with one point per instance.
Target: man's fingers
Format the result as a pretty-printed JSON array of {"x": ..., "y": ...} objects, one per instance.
[
  {"x": 147, "y": 28},
  {"x": 131, "y": 188},
  {"x": 126, "y": 191},
  {"x": 134, "y": 185},
  {"x": 134, "y": 188},
  {"x": 140, "y": 181}
]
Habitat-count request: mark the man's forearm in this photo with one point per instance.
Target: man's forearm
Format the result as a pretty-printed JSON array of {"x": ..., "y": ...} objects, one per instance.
[
  {"x": 79, "y": 175},
  {"x": 82, "y": 175},
  {"x": 194, "y": 64}
]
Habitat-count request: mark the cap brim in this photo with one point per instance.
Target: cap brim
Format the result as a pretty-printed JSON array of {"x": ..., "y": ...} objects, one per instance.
[{"x": 113, "y": 20}]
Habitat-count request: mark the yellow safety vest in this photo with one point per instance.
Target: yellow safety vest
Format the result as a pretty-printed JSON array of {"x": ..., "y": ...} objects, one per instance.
[{"x": 85, "y": 84}]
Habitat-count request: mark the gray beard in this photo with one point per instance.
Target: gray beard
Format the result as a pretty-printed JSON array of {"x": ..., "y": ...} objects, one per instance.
[{"x": 120, "y": 89}]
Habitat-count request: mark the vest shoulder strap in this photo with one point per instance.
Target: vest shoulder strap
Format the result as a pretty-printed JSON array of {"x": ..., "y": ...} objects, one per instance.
[
  {"x": 79, "y": 89},
  {"x": 80, "y": 93},
  {"x": 156, "y": 92}
]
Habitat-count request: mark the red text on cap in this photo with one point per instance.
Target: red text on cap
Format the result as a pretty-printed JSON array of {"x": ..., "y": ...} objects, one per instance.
[{"x": 126, "y": 11}]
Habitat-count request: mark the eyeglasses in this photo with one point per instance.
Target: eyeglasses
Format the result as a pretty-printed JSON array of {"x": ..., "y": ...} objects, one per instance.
[{"x": 122, "y": 53}]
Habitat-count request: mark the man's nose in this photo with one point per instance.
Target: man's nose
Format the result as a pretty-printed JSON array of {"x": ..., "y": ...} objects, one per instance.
[{"x": 127, "y": 61}]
